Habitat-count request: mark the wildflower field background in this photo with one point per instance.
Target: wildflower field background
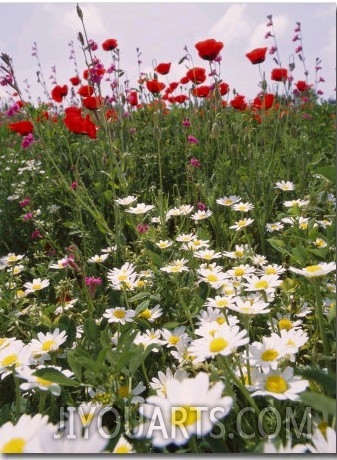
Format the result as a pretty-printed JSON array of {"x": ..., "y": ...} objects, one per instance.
[{"x": 167, "y": 249}]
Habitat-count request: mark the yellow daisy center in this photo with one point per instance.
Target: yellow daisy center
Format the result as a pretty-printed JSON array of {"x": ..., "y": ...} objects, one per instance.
[
  {"x": 122, "y": 277},
  {"x": 36, "y": 286},
  {"x": 285, "y": 323},
  {"x": 185, "y": 415},
  {"x": 322, "y": 426},
  {"x": 218, "y": 345},
  {"x": 270, "y": 271},
  {"x": 145, "y": 314},
  {"x": 174, "y": 339},
  {"x": 48, "y": 345},
  {"x": 10, "y": 360},
  {"x": 122, "y": 450},
  {"x": 44, "y": 382},
  {"x": 269, "y": 355},
  {"x": 120, "y": 314},
  {"x": 276, "y": 384},
  {"x": 211, "y": 278},
  {"x": 238, "y": 271},
  {"x": 14, "y": 446},
  {"x": 123, "y": 391},
  {"x": 312, "y": 268},
  {"x": 220, "y": 320},
  {"x": 262, "y": 284}
]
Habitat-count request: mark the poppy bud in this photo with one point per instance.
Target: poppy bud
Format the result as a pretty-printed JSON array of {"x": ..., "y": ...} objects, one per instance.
[
  {"x": 215, "y": 133},
  {"x": 79, "y": 12}
]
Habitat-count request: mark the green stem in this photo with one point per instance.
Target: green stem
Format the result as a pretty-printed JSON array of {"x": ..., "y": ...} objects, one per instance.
[
  {"x": 193, "y": 445},
  {"x": 17, "y": 398},
  {"x": 320, "y": 319},
  {"x": 42, "y": 400}
]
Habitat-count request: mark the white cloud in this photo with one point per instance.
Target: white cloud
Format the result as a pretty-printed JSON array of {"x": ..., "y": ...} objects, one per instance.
[{"x": 232, "y": 26}]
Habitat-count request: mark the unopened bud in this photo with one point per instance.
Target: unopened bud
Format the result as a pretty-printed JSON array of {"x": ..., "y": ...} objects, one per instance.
[
  {"x": 79, "y": 12},
  {"x": 215, "y": 131}
]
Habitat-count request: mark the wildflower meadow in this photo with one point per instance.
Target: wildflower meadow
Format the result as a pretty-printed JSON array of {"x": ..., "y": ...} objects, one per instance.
[{"x": 167, "y": 256}]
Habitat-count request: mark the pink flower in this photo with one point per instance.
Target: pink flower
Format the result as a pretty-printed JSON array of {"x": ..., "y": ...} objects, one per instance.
[
  {"x": 24, "y": 202},
  {"x": 298, "y": 49},
  {"x": 73, "y": 185},
  {"x": 142, "y": 228},
  {"x": 296, "y": 38},
  {"x": 36, "y": 234},
  {"x": 28, "y": 216},
  {"x": 201, "y": 206},
  {"x": 92, "y": 284},
  {"x": 194, "y": 162},
  {"x": 186, "y": 122},
  {"x": 192, "y": 140},
  {"x": 27, "y": 141},
  {"x": 272, "y": 50}
]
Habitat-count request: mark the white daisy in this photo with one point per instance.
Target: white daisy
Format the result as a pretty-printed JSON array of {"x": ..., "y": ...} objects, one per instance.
[
  {"x": 34, "y": 381},
  {"x": 280, "y": 385},
  {"x": 119, "y": 315},
  {"x": 98, "y": 259},
  {"x": 222, "y": 341},
  {"x": 141, "y": 208},
  {"x": 123, "y": 447},
  {"x": 271, "y": 448},
  {"x": 159, "y": 384},
  {"x": 25, "y": 436},
  {"x": 323, "y": 443},
  {"x": 254, "y": 305},
  {"x": 176, "y": 266},
  {"x": 126, "y": 201},
  {"x": 268, "y": 353},
  {"x": 49, "y": 342},
  {"x": 315, "y": 271},
  {"x": 36, "y": 285},
  {"x": 285, "y": 185},
  {"x": 274, "y": 227},
  {"x": 200, "y": 215},
  {"x": 228, "y": 200},
  {"x": 163, "y": 244},
  {"x": 243, "y": 207},
  {"x": 151, "y": 314},
  {"x": 242, "y": 223},
  {"x": 299, "y": 203},
  {"x": 175, "y": 337},
  {"x": 181, "y": 411}
]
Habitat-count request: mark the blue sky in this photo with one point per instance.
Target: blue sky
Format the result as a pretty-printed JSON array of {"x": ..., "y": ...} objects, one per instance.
[{"x": 161, "y": 30}]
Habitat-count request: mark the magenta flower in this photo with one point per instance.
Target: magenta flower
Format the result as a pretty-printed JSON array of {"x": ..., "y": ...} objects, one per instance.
[
  {"x": 27, "y": 141},
  {"x": 92, "y": 284},
  {"x": 36, "y": 234},
  {"x": 272, "y": 50},
  {"x": 15, "y": 108},
  {"x": 24, "y": 202},
  {"x": 298, "y": 49},
  {"x": 192, "y": 140},
  {"x": 73, "y": 185},
  {"x": 195, "y": 162},
  {"x": 92, "y": 45},
  {"x": 186, "y": 122},
  {"x": 28, "y": 216},
  {"x": 201, "y": 206},
  {"x": 142, "y": 228}
]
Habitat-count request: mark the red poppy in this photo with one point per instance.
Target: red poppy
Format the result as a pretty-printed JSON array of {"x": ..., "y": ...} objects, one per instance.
[
  {"x": 85, "y": 74},
  {"x": 172, "y": 86},
  {"x": 196, "y": 75},
  {"x": 111, "y": 114},
  {"x": 201, "y": 91},
  {"x": 257, "y": 55},
  {"x": 239, "y": 102},
  {"x": 209, "y": 49},
  {"x": 92, "y": 102},
  {"x": 73, "y": 111},
  {"x": 279, "y": 74},
  {"x": 22, "y": 127},
  {"x": 78, "y": 124},
  {"x": 85, "y": 90},
  {"x": 155, "y": 86},
  {"x": 132, "y": 98},
  {"x": 223, "y": 88},
  {"x": 75, "y": 80},
  {"x": 163, "y": 68},
  {"x": 109, "y": 44},
  {"x": 184, "y": 80},
  {"x": 264, "y": 102},
  {"x": 180, "y": 98},
  {"x": 59, "y": 92},
  {"x": 302, "y": 86}
]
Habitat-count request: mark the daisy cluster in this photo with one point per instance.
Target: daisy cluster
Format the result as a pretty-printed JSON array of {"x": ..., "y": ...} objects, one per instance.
[{"x": 209, "y": 321}]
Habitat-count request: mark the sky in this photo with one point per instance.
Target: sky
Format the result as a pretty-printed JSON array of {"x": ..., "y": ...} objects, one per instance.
[{"x": 161, "y": 31}]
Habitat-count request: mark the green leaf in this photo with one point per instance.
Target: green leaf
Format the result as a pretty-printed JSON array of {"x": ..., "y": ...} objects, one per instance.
[
  {"x": 279, "y": 245},
  {"x": 53, "y": 375},
  {"x": 329, "y": 172},
  {"x": 142, "y": 306},
  {"x": 327, "y": 382},
  {"x": 75, "y": 367},
  {"x": 67, "y": 324},
  {"x": 319, "y": 402},
  {"x": 91, "y": 330}
]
